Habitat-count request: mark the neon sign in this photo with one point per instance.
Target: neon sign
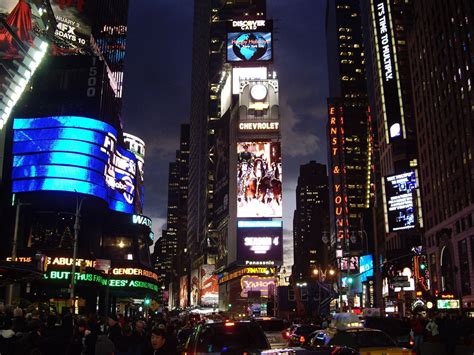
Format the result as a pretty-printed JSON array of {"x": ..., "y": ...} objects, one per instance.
[
  {"x": 134, "y": 272},
  {"x": 259, "y": 126},
  {"x": 338, "y": 171}
]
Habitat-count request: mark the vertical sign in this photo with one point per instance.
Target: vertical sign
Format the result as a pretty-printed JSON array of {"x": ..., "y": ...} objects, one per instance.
[
  {"x": 392, "y": 104},
  {"x": 338, "y": 171}
]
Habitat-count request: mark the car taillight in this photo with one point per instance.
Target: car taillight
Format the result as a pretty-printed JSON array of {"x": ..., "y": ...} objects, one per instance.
[
  {"x": 229, "y": 324},
  {"x": 287, "y": 334},
  {"x": 301, "y": 339}
]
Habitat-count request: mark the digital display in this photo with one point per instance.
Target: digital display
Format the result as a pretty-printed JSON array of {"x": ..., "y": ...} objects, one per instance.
[
  {"x": 259, "y": 241},
  {"x": 366, "y": 267},
  {"x": 249, "y": 47},
  {"x": 353, "y": 263},
  {"x": 183, "y": 291},
  {"x": 73, "y": 154},
  {"x": 448, "y": 304},
  {"x": 400, "y": 206},
  {"x": 386, "y": 62},
  {"x": 259, "y": 180}
]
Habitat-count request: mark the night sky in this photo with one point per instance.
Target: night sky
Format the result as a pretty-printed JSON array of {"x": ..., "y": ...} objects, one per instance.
[{"x": 157, "y": 91}]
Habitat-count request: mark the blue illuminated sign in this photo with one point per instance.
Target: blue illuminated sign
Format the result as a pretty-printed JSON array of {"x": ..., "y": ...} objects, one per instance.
[
  {"x": 259, "y": 224},
  {"x": 75, "y": 154},
  {"x": 366, "y": 267}
]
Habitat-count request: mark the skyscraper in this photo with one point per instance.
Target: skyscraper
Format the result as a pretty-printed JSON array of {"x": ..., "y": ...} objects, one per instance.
[
  {"x": 209, "y": 72},
  {"x": 349, "y": 127},
  {"x": 311, "y": 220},
  {"x": 441, "y": 62}
]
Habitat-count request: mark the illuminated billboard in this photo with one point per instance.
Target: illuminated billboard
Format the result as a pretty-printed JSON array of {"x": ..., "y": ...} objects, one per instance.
[
  {"x": 250, "y": 41},
  {"x": 392, "y": 105},
  {"x": 74, "y": 154},
  {"x": 353, "y": 263},
  {"x": 366, "y": 267},
  {"x": 448, "y": 304},
  {"x": 260, "y": 241},
  {"x": 183, "y": 292},
  {"x": 209, "y": 286},
  {"x": 261, "y": 284},
  {"x": 399, "y": 201},
  {"x": 259, "y": 180}
]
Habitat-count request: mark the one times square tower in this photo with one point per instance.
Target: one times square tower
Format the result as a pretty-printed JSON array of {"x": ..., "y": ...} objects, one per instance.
[
  {"x": 72, "y": 182},
  {"x": 234, "y": 201}
]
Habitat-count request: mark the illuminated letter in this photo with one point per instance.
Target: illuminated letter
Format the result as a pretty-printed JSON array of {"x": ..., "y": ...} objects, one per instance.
[
  {"x": 333, "y": 130},
  {"x": 331, "y": 110},
  {"x": 334, "y": 151},
  {"x": 337, "y": 187},
  {"x": 333, "y": 120},
  {"x": 338, "y": 211},
  {"x": 338, "y": 199}
]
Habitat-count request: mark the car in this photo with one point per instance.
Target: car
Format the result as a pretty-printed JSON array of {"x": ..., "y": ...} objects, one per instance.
[
  {"x": 230, "y": 337},
  {"x": 300, "y": 334},
  {"x": 397, "y": 328},
  {"x": 183, "y": 335},
  {"x": 364, "y": 340},
  {"x": 286, "y": 333},
  {"x": 273, "y": 329}
]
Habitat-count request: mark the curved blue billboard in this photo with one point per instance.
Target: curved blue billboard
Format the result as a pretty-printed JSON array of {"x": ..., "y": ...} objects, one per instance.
[{"x": 74, "y": 154}]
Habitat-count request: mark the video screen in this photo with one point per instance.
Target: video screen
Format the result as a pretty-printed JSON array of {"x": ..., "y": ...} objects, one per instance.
[
  {"x": 74, "y": 154},
  {"x": 249, "y": 47},
  {"x": 259, "y": 180},
  {"x": 260, "y": 241},
  {"x": 400, "y": 200}
]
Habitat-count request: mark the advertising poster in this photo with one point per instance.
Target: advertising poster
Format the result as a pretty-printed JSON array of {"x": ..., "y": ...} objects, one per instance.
[
  {"x": 183, "y": 291},
  {"x": 400, "y": 205},
  {"x": 260, "y": 241},
  {"x": 73, "y": 30},
  {"x": 259, "y": 180},
  {"x": 195, "y": 283},
  {"x": 209, "y": 286},
  {"x": 353, "y": 262}
]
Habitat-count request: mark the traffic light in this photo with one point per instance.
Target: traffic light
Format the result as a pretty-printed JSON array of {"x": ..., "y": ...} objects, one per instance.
[
  {"x": 147, "y": 302},
  {"x": 422, "y": 266},
  {"x": 230, "y": 305},
  {"x": 350, "y": 280}
]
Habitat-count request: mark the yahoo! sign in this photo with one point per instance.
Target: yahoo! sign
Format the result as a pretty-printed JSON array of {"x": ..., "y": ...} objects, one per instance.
[{"x": 256, "y": 283}]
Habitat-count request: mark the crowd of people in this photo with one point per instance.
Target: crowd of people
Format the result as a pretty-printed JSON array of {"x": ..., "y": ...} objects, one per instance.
[{"x": 41, "y": 333}]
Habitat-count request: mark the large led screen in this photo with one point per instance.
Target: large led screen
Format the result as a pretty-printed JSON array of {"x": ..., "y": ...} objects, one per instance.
[
  {"x": 259, "y": 180},
  {"x": 399, "y": 191},
  {"x": 209, "y": 286},
  {"x": 260, "y": 241},
  {"x": 249, "y": 47},
  {"x": 366, "y": 267},
  {"x": 74, "y": 154}
]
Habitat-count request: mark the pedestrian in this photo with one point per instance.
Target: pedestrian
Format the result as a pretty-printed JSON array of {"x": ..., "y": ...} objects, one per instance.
[
  {"x": 115, "y": 332},
  {"x": 160, "y": 344},
  {"x": 104, "y": 346},
  {"x": 139, "y": 337},
  {"x": 418, "y": 328},
  {"x": 432, "y": 329}
]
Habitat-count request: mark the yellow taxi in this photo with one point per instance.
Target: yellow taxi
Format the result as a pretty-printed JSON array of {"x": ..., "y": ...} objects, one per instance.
[{"x": 348, "y": 331}]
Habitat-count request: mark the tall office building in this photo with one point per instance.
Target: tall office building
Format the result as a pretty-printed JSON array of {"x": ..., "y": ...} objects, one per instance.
[
  {"x": 398, "y": 225},
  {"x": 311, "y": 220},
  {"x": 349, "y": 127},
  {"x": 441, "y": 52},
  {"x": 209, "y": 73}
]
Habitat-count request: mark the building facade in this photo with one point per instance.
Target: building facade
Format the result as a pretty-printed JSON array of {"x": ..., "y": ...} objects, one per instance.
[{"x": 441, "y": 51}]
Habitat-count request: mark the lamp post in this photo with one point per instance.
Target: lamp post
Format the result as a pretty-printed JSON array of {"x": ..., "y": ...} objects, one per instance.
[
  {"x": 15, "y": 245},
  {"x": 77, "y": 227}
]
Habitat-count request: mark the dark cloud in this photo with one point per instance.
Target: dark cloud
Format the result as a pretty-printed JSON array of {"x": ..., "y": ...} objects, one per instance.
[{"x": 157, "y": 89}]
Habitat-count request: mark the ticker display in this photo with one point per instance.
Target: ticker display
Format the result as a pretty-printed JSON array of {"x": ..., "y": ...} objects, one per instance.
[
  {"x": 399, "y": 199},
  {"x": 260, "y": 241},
  {"x": 73, "y": 154},
  {"x": 259, "y": 180}
]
